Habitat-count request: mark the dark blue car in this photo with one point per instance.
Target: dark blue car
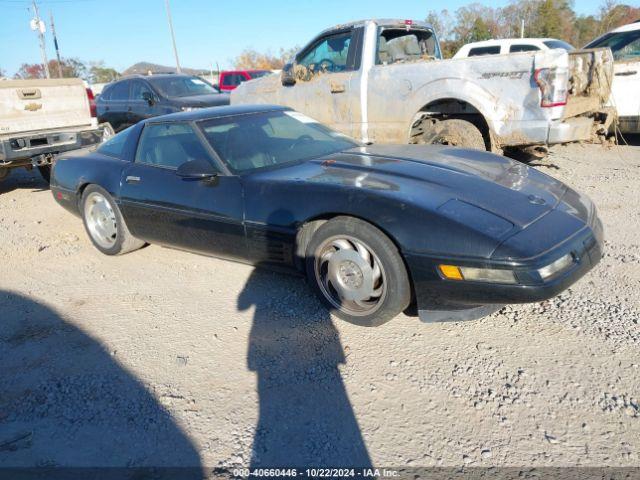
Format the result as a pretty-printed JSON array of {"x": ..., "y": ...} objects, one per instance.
[{"x": 450, "y": 233}]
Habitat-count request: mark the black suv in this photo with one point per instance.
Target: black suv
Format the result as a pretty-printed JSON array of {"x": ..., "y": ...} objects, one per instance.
[{"x": 127, "y": 101}]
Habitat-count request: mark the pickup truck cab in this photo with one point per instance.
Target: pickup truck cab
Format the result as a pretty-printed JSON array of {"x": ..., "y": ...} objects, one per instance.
[
  {"x": 502, "y": 46},
  {"x": 42, "y": 118},
  {"x": 230, "y": 79},
  {"x": 624, "y": 43},
  {"x": 384, "y": 81}
]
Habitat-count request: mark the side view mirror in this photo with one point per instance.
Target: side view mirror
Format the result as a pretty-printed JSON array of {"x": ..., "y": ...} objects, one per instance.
[
  {"x": 197, "y": 170},
  {"x": 287, "y": 76},
  {"x": 217, "y": 87},
  {"x": 148, "y": 97}
]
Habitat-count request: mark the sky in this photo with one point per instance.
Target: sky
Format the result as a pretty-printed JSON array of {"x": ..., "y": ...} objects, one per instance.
[{"x": 121, "y": 32}]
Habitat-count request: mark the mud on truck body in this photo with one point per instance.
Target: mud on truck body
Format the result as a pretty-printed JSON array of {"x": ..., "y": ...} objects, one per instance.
[
  {"x": 384, "y": 81},
  {"x": 42, "y": 118}
]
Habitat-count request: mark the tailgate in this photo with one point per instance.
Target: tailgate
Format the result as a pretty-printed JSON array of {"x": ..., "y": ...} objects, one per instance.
[
  {"x": 32, "y": 105},
  {"x": 590, "y": 77}
]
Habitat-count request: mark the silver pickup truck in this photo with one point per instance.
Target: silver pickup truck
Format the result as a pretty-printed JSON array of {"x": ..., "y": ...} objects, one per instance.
[
  {"x": 41, "y": 118},
  {"x": 384, "y": 81}
]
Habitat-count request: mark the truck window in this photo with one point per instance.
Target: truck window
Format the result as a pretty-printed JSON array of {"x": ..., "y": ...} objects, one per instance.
[
  {"x": 522, "y": 48},
  {"x": 329, "y": 54},
  {"x": 400, "y": 45},
  {"x": 120, "y": 91},
  {"x": 475, "y": 52},
  {"x": 558, "y": 44},
  {"x": 137, "y": 89},
  {"x": 624, "y": 45},
  {"x": 232, "y": 79}
]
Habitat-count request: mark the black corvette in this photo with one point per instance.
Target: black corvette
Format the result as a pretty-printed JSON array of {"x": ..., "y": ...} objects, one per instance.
[{"x": 451, "y": 233}]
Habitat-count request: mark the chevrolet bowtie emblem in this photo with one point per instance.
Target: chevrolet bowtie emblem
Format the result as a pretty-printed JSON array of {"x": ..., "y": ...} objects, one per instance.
[{"x": 32, "y": 107}]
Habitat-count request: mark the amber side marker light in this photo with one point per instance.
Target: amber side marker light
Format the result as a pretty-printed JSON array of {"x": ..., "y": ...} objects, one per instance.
[
  {"x": 451, "y": 272},
  {"x": 491, "y": 275}
]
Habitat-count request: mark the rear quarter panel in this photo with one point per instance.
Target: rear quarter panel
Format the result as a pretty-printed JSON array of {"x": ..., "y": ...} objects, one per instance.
[{"x": 71, "y": 174}]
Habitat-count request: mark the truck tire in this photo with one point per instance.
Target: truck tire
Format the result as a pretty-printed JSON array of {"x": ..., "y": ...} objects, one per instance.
[
  {"x": 454, "y": 132},
  {"x": 45, "y": 172},
  {"x": 357, "y": 271},
  {"x": 4, "y": 173}
]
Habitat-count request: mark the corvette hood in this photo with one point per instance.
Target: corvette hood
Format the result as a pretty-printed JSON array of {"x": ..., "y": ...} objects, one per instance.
[{"x": 504, "y": 187}]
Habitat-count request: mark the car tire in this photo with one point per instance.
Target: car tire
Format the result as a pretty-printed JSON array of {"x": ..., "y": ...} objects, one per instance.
[
  {"x": 4, "y": 173},
  {"x": 45, "y": 172},
  {"x": 104, "y": 223},
  {"x": 357, "y": 271},
  {"x": 453, "y": 132}
]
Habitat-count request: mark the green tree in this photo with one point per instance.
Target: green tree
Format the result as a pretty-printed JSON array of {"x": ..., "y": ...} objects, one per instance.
[
  {"x": 71, "y": 68},
  {"x": 479, "y": 31},
  {"x": 99, "y": 73}
]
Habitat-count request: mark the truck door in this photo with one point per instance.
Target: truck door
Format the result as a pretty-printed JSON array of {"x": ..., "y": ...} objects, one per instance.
[
  {"x": 139, "y": 106},
  {"x": 327, "y": 85}
]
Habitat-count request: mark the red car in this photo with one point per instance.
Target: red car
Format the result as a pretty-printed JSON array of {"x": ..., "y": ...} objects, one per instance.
[{"x": 230, "y": 79}]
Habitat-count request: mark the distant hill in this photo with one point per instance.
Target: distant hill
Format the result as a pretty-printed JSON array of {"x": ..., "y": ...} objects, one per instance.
[{"x": 143, "y": 68}]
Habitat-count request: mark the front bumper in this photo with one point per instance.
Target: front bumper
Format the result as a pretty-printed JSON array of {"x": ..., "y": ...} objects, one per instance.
[
  {"x": 440, "y": 299},
  {"x": 18, "y": 150}
]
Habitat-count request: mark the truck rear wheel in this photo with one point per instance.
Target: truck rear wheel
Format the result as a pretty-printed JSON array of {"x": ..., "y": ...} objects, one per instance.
[
  {"x": 45, "y": 171},
  {"x": 454, "y": 132},
  {"x": 4, "y": 173}
]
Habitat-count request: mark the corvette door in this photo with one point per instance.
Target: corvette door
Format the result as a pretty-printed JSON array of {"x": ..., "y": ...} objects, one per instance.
[{"x": 204, "y": 216}]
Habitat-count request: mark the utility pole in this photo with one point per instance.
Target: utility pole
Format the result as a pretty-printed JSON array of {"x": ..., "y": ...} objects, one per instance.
[
  {"x": 55, "y": 43},
  {"x": 38, "y": 25},
  {"x": 522, "y": 28},
  {"x": 173, "y": 37}
]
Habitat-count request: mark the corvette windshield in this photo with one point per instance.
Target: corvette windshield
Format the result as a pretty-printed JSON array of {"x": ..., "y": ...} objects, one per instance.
[{"x": 260, "y": 140}]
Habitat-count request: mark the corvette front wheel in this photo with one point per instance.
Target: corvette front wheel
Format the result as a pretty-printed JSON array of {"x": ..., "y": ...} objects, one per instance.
[{"x": 358, "y": 272}]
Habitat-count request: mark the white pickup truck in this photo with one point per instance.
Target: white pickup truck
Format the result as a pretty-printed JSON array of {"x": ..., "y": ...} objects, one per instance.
[
  {"x": 383, "y": 81},
  {"x": 41, "y": 118}
]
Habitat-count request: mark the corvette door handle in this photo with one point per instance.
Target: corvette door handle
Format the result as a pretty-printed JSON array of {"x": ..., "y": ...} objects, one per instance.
[
  {"x": 626, "y": 74},
  {"x": 132, "y": 179},
  {"x": 337, "y": 87}
]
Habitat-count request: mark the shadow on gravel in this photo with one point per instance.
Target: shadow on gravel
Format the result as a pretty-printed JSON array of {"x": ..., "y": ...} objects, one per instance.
[
  {"x": 66, "y": 402},
  {"x": 19, "y": 178},
  {"x": 305, "y": 416}
]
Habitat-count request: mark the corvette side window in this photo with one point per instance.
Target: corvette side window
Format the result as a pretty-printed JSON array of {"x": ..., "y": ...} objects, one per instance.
[{"x": 169, "y": 145}]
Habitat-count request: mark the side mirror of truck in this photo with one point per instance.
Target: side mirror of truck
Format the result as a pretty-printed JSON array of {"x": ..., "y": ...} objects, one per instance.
[{"x": 287, "y": 76}]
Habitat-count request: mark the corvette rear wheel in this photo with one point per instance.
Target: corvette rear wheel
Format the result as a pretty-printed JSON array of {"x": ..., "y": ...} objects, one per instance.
[
  {"x": 104, "y": 223},
  {"x": 358, "y": 272}
]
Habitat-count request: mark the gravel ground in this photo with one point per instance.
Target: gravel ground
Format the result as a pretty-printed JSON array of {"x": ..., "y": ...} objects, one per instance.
[{"x": 162, "y": 357}]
